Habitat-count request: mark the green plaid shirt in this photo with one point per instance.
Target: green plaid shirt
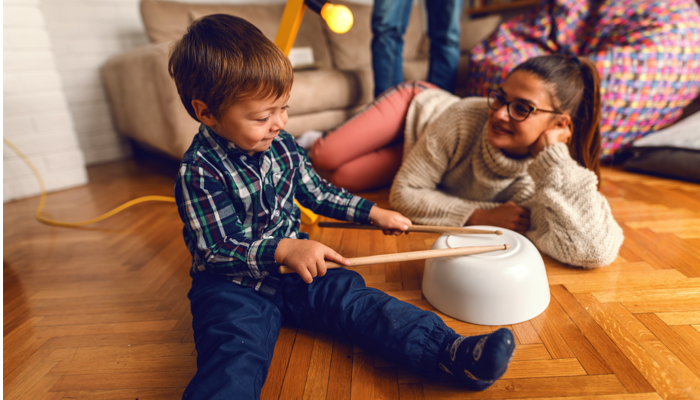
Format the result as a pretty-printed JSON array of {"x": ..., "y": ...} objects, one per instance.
[{"x": 237, "y": 207}]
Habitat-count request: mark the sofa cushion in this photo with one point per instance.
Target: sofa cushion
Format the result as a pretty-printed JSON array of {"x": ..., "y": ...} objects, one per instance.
[
  {"x": 476, "y": 29},
  {"x": 352, "y": 50},
  {"x": 168, "y": 20},
  {"x": 415, "y": 70},
  {"x": 321, "y": 90}
]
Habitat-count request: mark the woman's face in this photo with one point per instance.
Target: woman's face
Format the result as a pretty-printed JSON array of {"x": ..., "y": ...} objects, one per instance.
[{"x": 516, "y": 137}]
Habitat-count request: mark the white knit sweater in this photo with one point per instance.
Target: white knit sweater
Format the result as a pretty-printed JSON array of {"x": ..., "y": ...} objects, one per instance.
[{"x": 449, "y": 170}]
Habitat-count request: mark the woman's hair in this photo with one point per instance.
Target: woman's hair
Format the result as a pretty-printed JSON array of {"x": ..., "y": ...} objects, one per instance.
[
  {"x": 576, "y": 91},
  {"x": 223, "y": 59}
]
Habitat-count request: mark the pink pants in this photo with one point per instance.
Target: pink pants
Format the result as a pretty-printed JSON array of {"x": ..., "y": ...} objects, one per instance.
[{"x": 365, "y": 152}]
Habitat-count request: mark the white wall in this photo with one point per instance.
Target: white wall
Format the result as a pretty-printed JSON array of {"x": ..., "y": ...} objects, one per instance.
[
  {"x": 85, "y": 33},
  {"x": 36, "y": 118},
  {"x": 55, "y": 105}
]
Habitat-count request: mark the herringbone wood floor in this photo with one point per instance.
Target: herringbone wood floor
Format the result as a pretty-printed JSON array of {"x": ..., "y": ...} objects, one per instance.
[{"x": 101, "y": 312}]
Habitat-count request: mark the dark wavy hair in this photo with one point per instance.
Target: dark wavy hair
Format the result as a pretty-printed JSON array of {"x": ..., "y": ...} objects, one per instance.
[
  {"x": 223, "y": 59},
  {"x": 576, "y": 91}
]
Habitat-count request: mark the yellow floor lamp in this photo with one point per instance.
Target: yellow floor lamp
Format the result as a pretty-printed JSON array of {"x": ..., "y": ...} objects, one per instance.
[{"x": 339, "y": 20}]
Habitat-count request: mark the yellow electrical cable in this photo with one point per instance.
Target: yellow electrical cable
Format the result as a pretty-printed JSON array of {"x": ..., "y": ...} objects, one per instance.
[{"x": 42, "y": 202}]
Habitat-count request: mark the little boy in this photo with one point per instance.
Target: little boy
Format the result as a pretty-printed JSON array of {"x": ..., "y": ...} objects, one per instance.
[{"x": 235, "y": 192}]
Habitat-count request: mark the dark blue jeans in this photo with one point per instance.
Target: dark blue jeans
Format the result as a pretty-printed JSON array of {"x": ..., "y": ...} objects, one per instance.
[
  {"x": 389, "y": 22},
  {"x": 235, "y": 328}
]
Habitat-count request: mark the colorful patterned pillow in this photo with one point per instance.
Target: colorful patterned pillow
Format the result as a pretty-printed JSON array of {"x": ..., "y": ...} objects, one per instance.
[{"x": 647, "y": 53}]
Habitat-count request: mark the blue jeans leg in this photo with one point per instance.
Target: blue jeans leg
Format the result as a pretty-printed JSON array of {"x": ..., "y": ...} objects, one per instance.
[
  {"x": 443, "y": 31},
  {"x": 389, "y": 22},
  {"x": 339, "y": 303},
  {"x": 235, "y": 330}
]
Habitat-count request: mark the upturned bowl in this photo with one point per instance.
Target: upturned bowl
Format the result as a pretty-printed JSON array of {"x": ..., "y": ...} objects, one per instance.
[{"x": 502, "y": 287}]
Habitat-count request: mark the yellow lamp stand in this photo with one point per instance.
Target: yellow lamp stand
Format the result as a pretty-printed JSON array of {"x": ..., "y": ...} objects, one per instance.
[
  {"x": 339, "y": 20},
  {"x": 337, "y": 16}
]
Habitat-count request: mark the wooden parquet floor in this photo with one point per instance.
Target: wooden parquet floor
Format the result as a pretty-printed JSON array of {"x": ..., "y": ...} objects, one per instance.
[{"x": 102, "y": 312}]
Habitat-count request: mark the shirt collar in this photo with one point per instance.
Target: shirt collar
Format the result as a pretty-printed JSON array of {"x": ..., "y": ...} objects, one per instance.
[
  {"x": 217, "y": 142},
  {"x": 224, "y": 146}
]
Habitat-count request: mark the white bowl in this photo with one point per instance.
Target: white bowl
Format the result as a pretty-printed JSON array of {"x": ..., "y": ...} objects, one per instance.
[{"x": 501, "y": 287}]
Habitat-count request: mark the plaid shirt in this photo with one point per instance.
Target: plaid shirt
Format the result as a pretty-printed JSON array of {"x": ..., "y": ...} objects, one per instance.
[{"x": 237, "y": 207}]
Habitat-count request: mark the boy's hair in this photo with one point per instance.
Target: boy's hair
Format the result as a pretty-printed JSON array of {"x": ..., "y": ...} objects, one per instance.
[{"x": 223, "y": 59}]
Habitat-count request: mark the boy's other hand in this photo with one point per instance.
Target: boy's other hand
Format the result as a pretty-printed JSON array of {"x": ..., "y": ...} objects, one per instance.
[
  {"x": 391, "y": 222},
  {"x": 307, "y": 257}
]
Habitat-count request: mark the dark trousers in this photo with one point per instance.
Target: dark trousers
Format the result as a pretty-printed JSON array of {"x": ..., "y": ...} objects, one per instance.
[
  {"x": 235, "y": 328},
  {"x": 389, "y": 22}
]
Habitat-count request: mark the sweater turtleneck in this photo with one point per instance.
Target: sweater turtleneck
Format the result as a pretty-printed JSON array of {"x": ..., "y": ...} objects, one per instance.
[{"x": 498, "y": 162}]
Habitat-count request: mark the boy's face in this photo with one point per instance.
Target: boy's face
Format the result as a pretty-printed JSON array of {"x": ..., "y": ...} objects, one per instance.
[{"x": 250, "y": 124}]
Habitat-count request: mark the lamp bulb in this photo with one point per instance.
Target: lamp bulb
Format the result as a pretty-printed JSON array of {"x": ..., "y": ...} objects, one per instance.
[{"x": 338, "y": 17}]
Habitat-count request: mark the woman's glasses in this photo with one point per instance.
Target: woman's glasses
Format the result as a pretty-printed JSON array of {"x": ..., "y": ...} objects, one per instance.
[{"x": 517, "y": 109}]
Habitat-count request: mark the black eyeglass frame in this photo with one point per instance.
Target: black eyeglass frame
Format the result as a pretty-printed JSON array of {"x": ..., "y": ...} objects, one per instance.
[{"x": 508, "y": 103}]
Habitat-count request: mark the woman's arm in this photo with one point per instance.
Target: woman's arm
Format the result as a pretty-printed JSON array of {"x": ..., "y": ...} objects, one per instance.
[
  {"x": 415, "y": 192},
  {"x": 570, "y": 219}
]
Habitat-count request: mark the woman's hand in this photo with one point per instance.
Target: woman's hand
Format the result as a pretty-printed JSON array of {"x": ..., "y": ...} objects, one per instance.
[
  {"x": 508, "y": 215},
  {"x": 550, "y": 137},
  {"x": 391, "y": 222}
]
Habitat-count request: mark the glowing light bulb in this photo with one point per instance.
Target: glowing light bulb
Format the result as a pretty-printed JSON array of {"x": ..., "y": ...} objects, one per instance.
[{"x": 338, "y": 17}]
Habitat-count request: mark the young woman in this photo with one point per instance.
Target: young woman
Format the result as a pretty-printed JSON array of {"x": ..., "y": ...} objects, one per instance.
[{"x": 525, "y": 158}]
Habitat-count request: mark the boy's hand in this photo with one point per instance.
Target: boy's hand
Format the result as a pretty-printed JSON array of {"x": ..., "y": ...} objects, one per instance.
[
  {"x": 391, "y": 222},
  {"x": 306, "y": 257},
  {"x": 508, "y": 215}
]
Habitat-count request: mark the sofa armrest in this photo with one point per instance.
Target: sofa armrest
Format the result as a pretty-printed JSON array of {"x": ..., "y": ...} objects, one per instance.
[{"x": 144, "y": 100}]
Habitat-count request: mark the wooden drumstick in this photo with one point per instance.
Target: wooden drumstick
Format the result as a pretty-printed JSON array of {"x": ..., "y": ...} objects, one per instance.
[
  {"x": 409, "y": 256},
  {"x": 455, "y": 230}
]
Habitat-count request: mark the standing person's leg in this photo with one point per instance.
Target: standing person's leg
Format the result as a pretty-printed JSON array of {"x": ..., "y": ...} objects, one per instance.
[
  {"x": 443, "y": 31},
  {"x": 235, "y": 330},
  {"x": 341, "y": 304},
  {"x": 389, "y": 22}
]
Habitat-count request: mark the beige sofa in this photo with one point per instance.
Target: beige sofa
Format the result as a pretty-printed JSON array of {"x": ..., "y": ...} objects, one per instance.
[{"x": 144, "y": 100}]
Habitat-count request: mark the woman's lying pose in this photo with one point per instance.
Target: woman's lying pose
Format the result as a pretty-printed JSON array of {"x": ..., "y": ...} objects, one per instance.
[{"x": 525, "y": 158}]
